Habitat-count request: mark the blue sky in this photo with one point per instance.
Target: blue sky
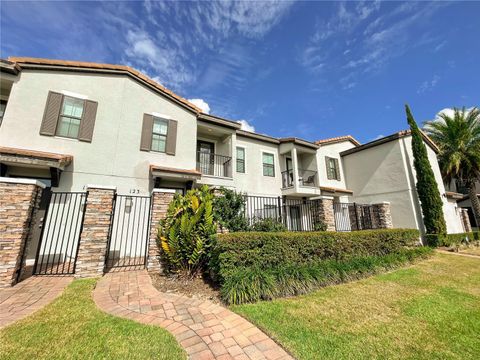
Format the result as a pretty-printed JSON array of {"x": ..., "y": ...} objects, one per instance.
[{"x": 307, "y": 69}]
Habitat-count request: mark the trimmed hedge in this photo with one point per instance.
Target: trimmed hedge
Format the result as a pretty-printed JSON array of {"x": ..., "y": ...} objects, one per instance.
[
  {"x": 450, "y": 239},
  {"x": 252, "y": 284},
  {"x": 258, "y": 265}
]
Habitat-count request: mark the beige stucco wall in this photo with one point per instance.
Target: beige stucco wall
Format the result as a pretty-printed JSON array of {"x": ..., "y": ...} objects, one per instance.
[
  {"x": 386, "y": 173},
  {"x": 452, "y": 217},
  {"x": 380, "y": 174},
  {"x": 113, "y": 157},
  {"x": 332, "y": 150}
]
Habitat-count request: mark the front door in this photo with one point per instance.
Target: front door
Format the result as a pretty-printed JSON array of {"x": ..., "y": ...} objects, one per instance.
[{"x": 206, "y": 157}]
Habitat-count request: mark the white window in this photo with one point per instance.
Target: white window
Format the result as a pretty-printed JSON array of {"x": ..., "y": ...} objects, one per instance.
[
  {"x": 268, "y": 164},
  {"x": 159, "y": 134},
  {"x": 70, "y": 117},
  {"x": 240, "y": 160}
]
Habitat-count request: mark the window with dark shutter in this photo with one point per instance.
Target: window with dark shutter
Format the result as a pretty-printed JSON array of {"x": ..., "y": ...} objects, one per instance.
[
  {"x": 51, "y": 113},
  {"x": 147, "y": 128},
  {"x": 171, "y": 137},
  {"x": 333, "y": 169},
  {"x": 70, "y": 117}
]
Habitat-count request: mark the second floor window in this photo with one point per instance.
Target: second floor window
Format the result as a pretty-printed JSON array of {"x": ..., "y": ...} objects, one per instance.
[
  {"x": 268, "y": 165},
  {"x": 240, "y": 160},
  {"x": 159, "y": 134},
  {"x": 333, "y": 168},
  {"x": 70, "y": 116}
]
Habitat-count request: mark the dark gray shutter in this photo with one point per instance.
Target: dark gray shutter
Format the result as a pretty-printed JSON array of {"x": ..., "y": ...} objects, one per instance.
[
  {"x": 147, "y": 128},
  {"x": 85, "y": 133},
  {"x": 329, "y": 170},
  {"x": 50, "y": 115},
  {"x": 171, "y": 137},
  {"x": 337, "y": 169}
]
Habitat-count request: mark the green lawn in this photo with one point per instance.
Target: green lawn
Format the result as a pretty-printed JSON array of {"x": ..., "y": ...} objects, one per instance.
[
  {"x": 430, "y": 310},
  {"x": 73, "y": 328}
]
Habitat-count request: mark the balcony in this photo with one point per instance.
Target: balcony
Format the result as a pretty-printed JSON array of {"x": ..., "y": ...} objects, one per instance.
[
  {"x": 214, "y": 164},
  {"x": 305, "y": 178}
]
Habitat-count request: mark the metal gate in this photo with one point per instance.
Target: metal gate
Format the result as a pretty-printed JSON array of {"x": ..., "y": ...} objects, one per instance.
[
  {"x": 60, "y": 234},
  {"x": 129, "y": 232}
]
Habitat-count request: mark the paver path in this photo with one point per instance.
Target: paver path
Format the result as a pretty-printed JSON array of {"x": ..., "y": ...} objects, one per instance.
[
  {"x": 29, "y": 296},
  {"x": 206, "y": 330}
]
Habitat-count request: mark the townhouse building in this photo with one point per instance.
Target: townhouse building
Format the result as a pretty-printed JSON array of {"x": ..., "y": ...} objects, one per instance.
[{"x": 73, "y": 124}]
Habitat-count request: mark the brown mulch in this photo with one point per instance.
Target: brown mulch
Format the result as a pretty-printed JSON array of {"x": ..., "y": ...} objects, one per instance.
[{"x": 198, "y": 287}]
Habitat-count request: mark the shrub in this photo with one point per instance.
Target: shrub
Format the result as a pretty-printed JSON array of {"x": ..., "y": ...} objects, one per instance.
[
  {"x": 254, "y": 284},
  {"x": 268, "y": 225},
  {"x": 228, "y": 210},
  {"x": 187, "y": 234},
  {"x": 320, "y": 226},
  {"x": 450, "y": 239},
  {"x": 263, "y": 265}
]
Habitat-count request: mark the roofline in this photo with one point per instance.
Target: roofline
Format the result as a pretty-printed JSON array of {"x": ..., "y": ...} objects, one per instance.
[
  {"x": 299, "y": 142},
  {"x": 217, "y": 120},
  {"x": 78, "y": 66},
  {"x": 338, "y": 140},
  {"x": 8, "y": 67},
  {"x": 396, "y": 136},
  {"x": 258, "y": 136}
]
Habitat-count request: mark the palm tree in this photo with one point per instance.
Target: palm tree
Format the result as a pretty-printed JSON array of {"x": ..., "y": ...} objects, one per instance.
[{"x": 458, "y": 138}]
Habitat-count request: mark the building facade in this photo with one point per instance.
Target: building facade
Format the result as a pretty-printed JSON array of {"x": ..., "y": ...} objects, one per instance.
[{"x": 73, "y": 124}]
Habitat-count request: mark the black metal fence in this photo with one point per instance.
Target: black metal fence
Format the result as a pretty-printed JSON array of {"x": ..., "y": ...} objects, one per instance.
[
  {"x": 129, "y": 232},
  {"x": 214, "y": 164},
  {"x": 353, "y": 216},
  {"x": 60, "y": 234},
  {"x": 307, "y": 215}
]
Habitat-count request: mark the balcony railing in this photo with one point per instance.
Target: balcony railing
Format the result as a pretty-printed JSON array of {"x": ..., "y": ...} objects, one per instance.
[
  {"x": 287, "y": 178},
  {"x": 305, "y": 178},
  {"x": 214, "y": 164}
]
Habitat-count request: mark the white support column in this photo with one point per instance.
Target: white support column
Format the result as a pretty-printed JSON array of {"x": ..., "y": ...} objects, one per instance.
[{"x": 295, "y": 167}]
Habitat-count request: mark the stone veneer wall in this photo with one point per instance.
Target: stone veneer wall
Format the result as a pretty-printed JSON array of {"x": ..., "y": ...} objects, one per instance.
[
  {"x": 94, "y": 237},
  {"x": 18, "y": 198},
  {"x": 465, "y": 220},
  {"x": 324, "y": 212},
  {"x": 160, "y": 201},
  {"x": 382, "y": 217}
]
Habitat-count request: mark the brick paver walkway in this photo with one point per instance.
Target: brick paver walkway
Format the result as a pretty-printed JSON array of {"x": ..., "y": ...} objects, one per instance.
[
  {"x": 29, "y": 296},
  {"x": 206, "y": 330}
]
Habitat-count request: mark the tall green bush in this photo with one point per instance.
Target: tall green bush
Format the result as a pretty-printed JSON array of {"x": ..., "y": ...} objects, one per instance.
[
  {"x": 229, "y": 208},
  {"x": 427, "y": 187},
  {"x": 187, "y": 234}
]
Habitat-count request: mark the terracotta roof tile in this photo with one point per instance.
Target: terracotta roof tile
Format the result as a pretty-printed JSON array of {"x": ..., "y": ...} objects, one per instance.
[
  {"x": 37, "y": 154},
  {"x": 338, "y": 139},
  {"x": 91, "y": 65}
]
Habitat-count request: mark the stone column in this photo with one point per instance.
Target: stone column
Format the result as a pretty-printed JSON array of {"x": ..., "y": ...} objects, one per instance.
[
  {"x": 18, "y": 199},
  {"x": 383, "y": 216},
  {"x": 465, "y": 220},
  {"x": 96, "y": 227},
  {"x": 160, "y": 201},
  {"x": 324, "y": 212}
]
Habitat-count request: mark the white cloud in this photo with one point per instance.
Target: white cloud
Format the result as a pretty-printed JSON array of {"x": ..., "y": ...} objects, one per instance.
[
  {"x": 428, "y": 85},
  {"x": 246, "y": 126},
  {"x": 202, "y": 104}
]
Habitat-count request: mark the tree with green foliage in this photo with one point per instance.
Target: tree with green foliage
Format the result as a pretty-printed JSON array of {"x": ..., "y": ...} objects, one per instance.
[
  {"x": 458, "y": 138},
  {"x": 187, "y": 234},
  {"x": 229, "y": 210},
  {"x": 427, "y": 187}
]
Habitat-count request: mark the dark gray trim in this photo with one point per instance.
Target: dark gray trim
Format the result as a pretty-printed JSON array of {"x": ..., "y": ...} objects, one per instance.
[
  {"x": 260, "y": 137},
  {"x": 219, "y": 121},
  {"x": 384, "y": 140}
]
